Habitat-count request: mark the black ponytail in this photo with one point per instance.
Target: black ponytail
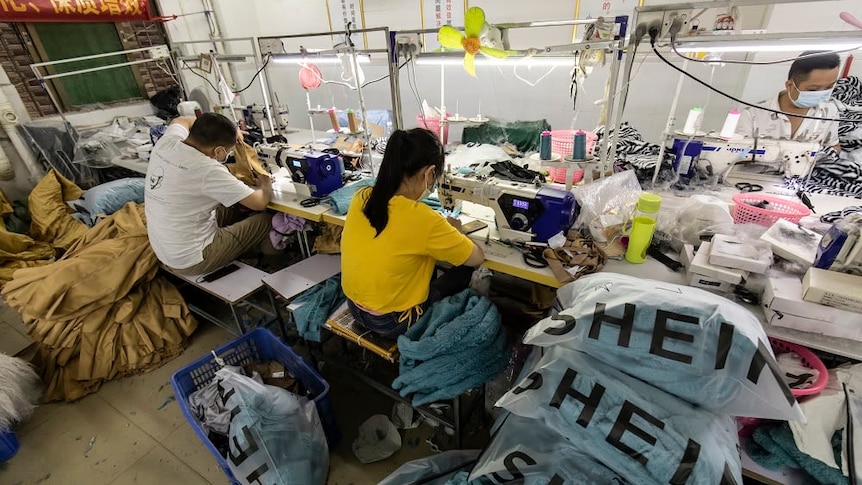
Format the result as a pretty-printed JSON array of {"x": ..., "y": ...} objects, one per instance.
[{"x": 407, "y": 153}]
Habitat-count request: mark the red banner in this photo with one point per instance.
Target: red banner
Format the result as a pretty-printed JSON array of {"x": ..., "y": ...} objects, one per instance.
[{"x": 74, "y": 10}]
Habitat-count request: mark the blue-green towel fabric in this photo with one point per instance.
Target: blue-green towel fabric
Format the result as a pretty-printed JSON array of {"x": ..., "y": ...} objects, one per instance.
[
  {"x": 457, "y": 345},
  {"x": 340, "y": 199},
  {"x": 772, "y": 446},
  {"x": 318, "y": 303}
]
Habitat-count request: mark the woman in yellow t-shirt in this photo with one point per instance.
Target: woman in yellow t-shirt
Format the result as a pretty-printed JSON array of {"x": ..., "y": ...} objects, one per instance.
[{"x": 392, "y": 242}]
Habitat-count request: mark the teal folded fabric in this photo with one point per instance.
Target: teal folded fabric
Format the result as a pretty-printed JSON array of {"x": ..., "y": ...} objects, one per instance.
[
  {"x": 457, "y": 345},
  {"x": 340, "y": 199},
  {"x": 772, "y": 446},
  {"x": 317, "y": 304}
]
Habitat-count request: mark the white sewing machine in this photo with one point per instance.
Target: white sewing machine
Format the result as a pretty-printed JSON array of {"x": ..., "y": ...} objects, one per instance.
[
  {"x": 523, "y": 212},
  {"x": 778, "y": 157},
  {"x": 258, "y": 114}
]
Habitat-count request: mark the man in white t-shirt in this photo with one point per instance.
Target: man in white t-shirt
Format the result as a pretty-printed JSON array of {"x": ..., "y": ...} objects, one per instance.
[
  {"x": 193, "y": 221},
  {"x": 807, "y": 92}
]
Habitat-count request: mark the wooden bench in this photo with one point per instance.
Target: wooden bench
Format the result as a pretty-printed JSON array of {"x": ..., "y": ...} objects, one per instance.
[{"x": 234, "y": 289}]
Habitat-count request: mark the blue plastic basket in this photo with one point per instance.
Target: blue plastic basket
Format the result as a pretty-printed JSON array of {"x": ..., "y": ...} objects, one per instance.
[
  {"x": 257, "y": 346},
  {"x": 8, "y": 446}
]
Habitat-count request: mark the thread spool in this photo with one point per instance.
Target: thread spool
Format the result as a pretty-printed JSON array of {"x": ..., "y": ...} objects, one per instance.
[
  {"x": 334, "y": 120},
  {"x": 351, "y": 121},
  {"x": 545, "y": 145},
  {"x": 729, "y": 128},
  {"x": 692, "y": 123},
  {"x": 579, "y": 151}
]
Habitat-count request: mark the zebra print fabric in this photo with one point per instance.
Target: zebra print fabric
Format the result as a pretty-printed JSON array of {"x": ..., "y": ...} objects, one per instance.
[{"x": 841, "y": 174}]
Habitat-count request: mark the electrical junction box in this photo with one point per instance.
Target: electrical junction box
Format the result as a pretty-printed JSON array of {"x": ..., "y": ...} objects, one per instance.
[
  {"x": 160, "y": 52},
  {"x": 408, "y": 43},
  {"x": 271, "y": 46}
]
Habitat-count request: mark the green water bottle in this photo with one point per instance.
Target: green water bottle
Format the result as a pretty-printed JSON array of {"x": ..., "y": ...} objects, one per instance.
[{"x": 643, "y": 227}]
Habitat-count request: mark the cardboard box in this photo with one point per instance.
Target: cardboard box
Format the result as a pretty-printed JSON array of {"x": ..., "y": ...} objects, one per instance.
[
  {"x": 839, "y": 290},
  {"x": 701, "y": 266},
  {"x": 792, "y": 242},
  {"x": 810, "y": 325},
  {"x": 783, "y": 306},
  {"x": 735, "y": 252},
  {"x": 708, "y": 283}
]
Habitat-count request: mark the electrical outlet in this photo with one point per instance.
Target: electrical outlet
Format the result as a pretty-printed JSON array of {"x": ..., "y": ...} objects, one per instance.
[
  {"x": 160, "y": 52},
  {"x": 408, "y": 43},
  {"x": 669, "y": 17},
  {"x": 271, "y": 46},
  {"x": 646, "y": 20}
]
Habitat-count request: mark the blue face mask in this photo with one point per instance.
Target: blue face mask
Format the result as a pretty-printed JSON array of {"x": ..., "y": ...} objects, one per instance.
[{"x": 810, "y": 99}]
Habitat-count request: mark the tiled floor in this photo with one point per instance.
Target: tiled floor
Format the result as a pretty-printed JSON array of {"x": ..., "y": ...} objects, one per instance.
[{"x": 139, "y": 435}]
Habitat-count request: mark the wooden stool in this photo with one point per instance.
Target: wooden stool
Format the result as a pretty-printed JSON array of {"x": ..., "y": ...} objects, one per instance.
[{"x": 344, "y": 325}]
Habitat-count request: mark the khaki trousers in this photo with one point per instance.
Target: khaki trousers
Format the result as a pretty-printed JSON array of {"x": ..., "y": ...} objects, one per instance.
[{"x": 239, "y": 232}]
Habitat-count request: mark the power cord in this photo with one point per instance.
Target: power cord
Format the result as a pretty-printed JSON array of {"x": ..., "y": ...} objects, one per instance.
[
  {"x": 192, "y": 69},
  {"x": 654, "y": 33},
  {"x": 253, "y": 78}
]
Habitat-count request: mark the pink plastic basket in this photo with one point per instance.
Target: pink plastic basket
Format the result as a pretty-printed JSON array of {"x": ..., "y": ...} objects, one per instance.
[
  {"x": 779, "y": 208},
  {"x": 433, "y": 124},
  {"x": 563, "y": 142},
  {"x": 810, "y": 359}
]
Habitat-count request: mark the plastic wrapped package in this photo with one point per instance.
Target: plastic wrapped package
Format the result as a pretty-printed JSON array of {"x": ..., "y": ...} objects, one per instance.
[
  {"x": 607, "y": 202},
  {"x": 698, "y": 213},
  {"x": 547, "y": 457},
  {"x": 275, "y": 436},
  {"x": 639, "y": 432},
  {"x": 433, "y": 470},
  {"x": 688, "y": 342},
  {"x": 107, "y": 198}
]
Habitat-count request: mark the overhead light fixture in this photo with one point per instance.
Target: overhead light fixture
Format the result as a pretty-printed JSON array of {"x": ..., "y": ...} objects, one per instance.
[
  {"x": 789, "y": 45},
  {"x": 316, "y": 59},
  {"x": 436, "y": 60}
]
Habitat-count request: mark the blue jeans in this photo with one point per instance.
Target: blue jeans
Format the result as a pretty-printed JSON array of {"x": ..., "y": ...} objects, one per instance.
[{"x": 391, "y": 325}]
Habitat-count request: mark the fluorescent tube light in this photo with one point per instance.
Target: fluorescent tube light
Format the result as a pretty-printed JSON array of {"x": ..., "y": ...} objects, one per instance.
[
  {"x": 432, "y": 60},
  {"x": 315, "y": 59},
  {"x": 771, "y": 45}
]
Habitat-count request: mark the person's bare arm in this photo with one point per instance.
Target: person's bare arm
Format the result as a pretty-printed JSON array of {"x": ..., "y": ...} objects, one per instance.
[
  {"x": 477, "y": 257},
  {"x": 185, "y": 121},
  {"x": 258, "y": 200}
]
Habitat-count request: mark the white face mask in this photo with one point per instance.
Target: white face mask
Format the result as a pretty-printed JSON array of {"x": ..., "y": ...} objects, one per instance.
[
  {"x": 227, "y": 155},
  {"x": 427, "y": 192},
  {"x": 810, "y": 99}
]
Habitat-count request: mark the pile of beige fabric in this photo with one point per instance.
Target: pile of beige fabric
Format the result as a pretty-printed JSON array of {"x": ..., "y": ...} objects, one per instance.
[{"x": 100, "y": 311}]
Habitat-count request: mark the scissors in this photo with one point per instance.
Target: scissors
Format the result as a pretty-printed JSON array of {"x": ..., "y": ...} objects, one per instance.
[
  {"x": 312, "y": 201},
  {"x": 747, "y": 187},
  {"x": 532, "y": 254}
]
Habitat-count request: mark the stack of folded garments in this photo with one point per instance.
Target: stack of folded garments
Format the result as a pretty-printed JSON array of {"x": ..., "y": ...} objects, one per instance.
[
  {"x": 458, "y": 344},
  {"x": 639, "y": 382}
]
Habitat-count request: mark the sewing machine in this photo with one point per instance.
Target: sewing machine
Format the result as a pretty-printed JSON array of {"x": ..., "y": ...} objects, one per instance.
[
  {"x": 314, "y": 174},
  {"x": 781, "y": 157},
  {"x": 523, "y": 212},
  {"x": 256, "y": 114}
]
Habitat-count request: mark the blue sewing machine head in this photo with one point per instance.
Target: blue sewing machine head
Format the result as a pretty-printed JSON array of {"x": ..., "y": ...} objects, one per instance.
[
  {"x": 320, "y": 172},
  {"x": 560, "y": 213}
]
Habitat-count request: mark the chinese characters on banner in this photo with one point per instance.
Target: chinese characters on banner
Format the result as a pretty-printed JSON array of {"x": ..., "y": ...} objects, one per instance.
[
  {"x": 74, "y": 10},
  {"x": 342, "y": 12},
  {"x": 437, "y": 13}
]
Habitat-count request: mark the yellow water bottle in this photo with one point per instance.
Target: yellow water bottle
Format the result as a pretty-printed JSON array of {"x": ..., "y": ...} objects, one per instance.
[{"x": 643, "y": 227}]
